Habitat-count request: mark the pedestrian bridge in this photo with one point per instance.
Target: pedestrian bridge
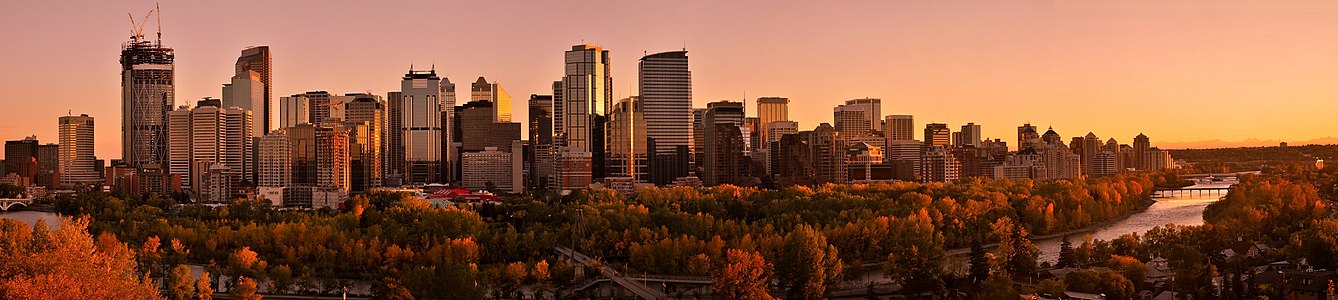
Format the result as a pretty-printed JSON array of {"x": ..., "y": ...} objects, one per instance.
[{"x": 6, "y": 203}]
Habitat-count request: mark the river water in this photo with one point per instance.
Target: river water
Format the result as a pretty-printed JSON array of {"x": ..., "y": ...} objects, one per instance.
[
  {"x": 31, "y": 217},
  {"x": 1181, "y": 210}
]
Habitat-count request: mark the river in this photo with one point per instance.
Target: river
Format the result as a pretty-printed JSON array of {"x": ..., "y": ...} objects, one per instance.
[
  {"x": 30, "y": 217},
  {"x": 1183, "y": 210}
]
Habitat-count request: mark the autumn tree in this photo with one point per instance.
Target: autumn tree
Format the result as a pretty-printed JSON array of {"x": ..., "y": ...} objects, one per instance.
[
  {"x": 67, "y": 264},
  {"x": 806, "y": 264},
  {"x": 245, "y": 289},
  {"x": 203, "y": 289},
  {"x": 1016, "y": 254},
  {"x": 246, "y": 263},
  {"x": 745, "y": 275}
]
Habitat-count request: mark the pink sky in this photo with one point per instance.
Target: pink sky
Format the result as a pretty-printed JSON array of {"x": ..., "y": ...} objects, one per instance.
[{"x": 1178, "y": 71}]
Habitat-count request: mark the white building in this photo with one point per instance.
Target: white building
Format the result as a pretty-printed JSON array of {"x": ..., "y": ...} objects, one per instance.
[{"x": 493, "y": 168}]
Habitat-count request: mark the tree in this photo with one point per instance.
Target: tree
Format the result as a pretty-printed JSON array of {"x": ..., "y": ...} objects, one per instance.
[
  {"x": 246, "y": 263},
  {"x": 806, "y": 264},
  {"x": 999, "y": 286},
  {"x": 1051, "y": 287},
  {"x": 1016, "y": 254},
  {"x": 980, "y": 265},
  {"x": 745, "y": 275},
  {"x": 1107, "y": 282},
  {"x": 916, "y": 256},
  {"x": 204, "y": 290},
  {"x": 245, "y": 289},
  {"x": 1066, "y": 257},
  {"x": 281, "y": 279},
  {"x": 181, "y": 285},
  {"x": 67, "y": 264}
]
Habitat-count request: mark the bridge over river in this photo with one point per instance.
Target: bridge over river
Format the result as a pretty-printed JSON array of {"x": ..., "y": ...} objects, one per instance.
[{"x": 7, "y": 203}]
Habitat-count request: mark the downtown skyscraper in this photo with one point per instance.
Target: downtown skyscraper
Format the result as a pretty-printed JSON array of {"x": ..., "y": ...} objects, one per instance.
[
  {"x": 257, "y": 59},
  {"x": 665, "y": 89},
  {"x": 77, "y": 164},
  {"x": 585, "y": 99},
  {"x": 421, "y": 126},
  {"x": 148, "y": 92}
]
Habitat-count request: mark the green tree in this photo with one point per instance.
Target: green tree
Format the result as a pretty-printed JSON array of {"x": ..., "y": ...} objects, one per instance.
[
  {"x": 806, "y": 264},
  {"x": 1107, "y": 282},
  {"x": 1066, "y": 255},
  {"x": 980, "y": 264},
  {"x": 999, "y": 286},
  {"x": 181, "y": 285},
  {"x": 744, "y": 275}
]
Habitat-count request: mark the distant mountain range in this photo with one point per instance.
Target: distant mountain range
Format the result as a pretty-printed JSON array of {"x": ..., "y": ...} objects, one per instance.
[{"x": 1216, "y": 143}]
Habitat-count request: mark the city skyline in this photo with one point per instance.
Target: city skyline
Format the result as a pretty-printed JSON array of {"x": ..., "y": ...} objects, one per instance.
[{"x": 1071, "y": 59}]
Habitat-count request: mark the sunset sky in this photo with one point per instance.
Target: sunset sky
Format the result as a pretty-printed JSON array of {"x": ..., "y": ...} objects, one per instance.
[{"x": 1179, "y": 71}]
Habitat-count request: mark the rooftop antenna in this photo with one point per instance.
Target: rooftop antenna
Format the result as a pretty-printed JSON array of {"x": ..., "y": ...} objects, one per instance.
[{"x": 685, "y": 45}]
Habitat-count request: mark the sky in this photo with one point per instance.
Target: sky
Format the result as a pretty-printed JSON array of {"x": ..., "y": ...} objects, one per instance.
[{"x": 1178, "y": 71}]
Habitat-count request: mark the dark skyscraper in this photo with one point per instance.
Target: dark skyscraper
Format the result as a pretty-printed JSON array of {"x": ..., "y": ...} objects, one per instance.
[
  {"x": 257, "y": 59},
  {"x": 665, "y": 89},
  {"x": 539, "y": 163}
]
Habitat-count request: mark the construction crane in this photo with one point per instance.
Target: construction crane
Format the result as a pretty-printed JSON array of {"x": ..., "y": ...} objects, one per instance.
[{"x": 137, "y": 27}]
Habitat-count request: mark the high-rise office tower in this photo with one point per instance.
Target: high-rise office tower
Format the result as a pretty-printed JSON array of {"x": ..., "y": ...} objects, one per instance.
[
  {"x": 899, "y": 128},
  {"x": 332, "y": 158},
  {"x": 276, "y": 166},
  {"x": 851, "y": 120},
  {"x": 481, "y": 90},
  {"x": 473, "y": 121},
  {"x": 626, "y": 147},
  {"x": 207, "y": 135},
  {"x": 394, "y": 143},
  {"x": 1025, "y": 134},
  {"x": 21, "y": 158},
  {"x": 665, "y": 88},
  {"x": 148, "y": 92},
  {"x": 365, "y": 117},
  {"x": 969, "y": 136},
  {"x": 585, "y": 99},
  {"x": 698, "y": 139},
  {"x": 450, "y": 143},
  {"x": 257, "y": 59},
  {"x": 773, "y": 109},
  {"x": 873, "y": 111},
  {"x": 770, "y": 109},
  {"x": 422, "y": 128},
  {"x": 937, "y": 134},
  {"x": 539, "y": 164},
  {"x": 721, "y": 162},
  {"x": 76, "y": 152},
  {"x": 247, "y": 91},
  {"x": 774, "y": 131},
  {"x": 1141, "y": 146},
  {"x": 1090, "y": 146},
  {"x": 320, "y": 103},
  {"x": 294, "y": 110}
]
